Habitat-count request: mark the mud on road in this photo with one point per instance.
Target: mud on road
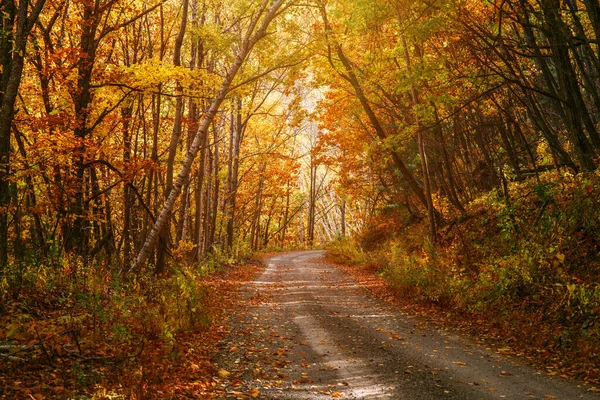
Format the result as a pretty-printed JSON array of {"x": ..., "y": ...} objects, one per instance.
[{"x": 311, "y": 332}]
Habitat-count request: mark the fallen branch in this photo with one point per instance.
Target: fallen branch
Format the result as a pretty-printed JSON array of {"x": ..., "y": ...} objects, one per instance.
[
  {"x": 16, "y": 348},
  {"x": 107, "y": 359},
  {"x": 4, "y": 347},
  {"x": 11, "y": 358}
]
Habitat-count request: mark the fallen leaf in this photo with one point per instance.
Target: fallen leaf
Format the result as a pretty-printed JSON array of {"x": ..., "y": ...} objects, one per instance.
[
  {"x": 224, "y": 374},
  {"x": 549, "y": 396},
  {"x": 336, "y": 394},
  {"x": 594, "y": 390}
]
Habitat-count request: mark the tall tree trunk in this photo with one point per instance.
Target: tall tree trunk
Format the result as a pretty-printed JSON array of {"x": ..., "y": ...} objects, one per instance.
[
  {"x": 176, "y": 134},
  {"x": 312, "y": 202},
  {"x": 40, "y": 231},
  {"x": 126, "y": 114},
  {"x": 76, "y": 227},
  {"x": 13, "y": 46},
  {"x": 198, "y": 232},
  {"x": 207, "y": 206},
  {"x": 163, "y": 239},
  {"x": 177, "y": 125},
  {"x": 258, "y": 203},
  {"x": 286, "y": 214},
  {"x": 234, "y": 163},
  {"x": 343, "y": 218},
  {"x": 214, "y": 212},
  {"x": 301, "y": 233}
]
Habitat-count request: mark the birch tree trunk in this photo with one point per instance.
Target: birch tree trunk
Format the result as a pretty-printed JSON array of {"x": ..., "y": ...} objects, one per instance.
[{"x": 256, "y": 31}]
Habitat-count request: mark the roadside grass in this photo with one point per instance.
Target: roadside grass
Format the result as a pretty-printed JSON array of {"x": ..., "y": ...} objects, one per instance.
[{"x": 526, "y": 267}]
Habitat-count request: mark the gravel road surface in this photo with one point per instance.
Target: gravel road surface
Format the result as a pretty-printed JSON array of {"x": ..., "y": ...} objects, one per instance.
[{"x": 311, "y": 332}]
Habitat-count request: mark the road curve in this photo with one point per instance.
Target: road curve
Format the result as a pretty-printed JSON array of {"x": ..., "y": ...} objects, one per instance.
[{"x": 314, "y": 333}]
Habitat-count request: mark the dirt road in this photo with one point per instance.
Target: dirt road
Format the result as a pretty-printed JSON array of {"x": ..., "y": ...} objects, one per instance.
[{"x": 314, "y": 333}]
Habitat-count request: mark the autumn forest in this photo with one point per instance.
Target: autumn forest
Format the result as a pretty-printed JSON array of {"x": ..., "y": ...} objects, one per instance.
[{"x": 153, "y": 151}]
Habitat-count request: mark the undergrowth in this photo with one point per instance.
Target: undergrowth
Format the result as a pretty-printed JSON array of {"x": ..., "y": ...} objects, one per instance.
[
  {"x": 81, "y": 327},
  {"x": 526, "y": 265}
]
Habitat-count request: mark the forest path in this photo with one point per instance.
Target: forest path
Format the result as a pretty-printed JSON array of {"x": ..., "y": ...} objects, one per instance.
[{"x": 312, "y": 332}]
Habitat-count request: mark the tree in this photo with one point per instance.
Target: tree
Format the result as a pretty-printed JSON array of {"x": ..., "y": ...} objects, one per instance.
[{"x": 18, "y": 19}]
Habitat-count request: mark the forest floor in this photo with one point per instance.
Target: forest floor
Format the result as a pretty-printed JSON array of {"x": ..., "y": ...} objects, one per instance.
[{"x": 43, "y": 365}]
